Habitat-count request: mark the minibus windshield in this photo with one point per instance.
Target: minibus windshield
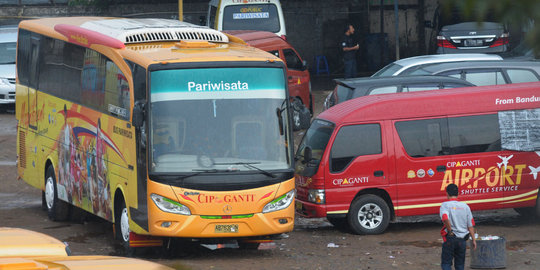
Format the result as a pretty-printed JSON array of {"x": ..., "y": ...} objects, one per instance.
[
  {"x": 218, "y": 120},
  {"x": 316, "y": 138},
  {"x": 262, "y": 17}
]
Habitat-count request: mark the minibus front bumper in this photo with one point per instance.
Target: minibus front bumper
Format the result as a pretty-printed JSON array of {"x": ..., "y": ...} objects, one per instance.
[{"x": 309, "y": 209}]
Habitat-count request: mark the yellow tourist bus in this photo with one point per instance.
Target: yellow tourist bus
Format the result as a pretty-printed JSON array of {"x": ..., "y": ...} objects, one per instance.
[{"x": 167, "y": 129}]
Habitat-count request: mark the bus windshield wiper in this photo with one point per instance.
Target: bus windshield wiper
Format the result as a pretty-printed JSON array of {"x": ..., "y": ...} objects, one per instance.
[
  {"x": 196, "y": 172},
  {"x": 250, "y": 166}
]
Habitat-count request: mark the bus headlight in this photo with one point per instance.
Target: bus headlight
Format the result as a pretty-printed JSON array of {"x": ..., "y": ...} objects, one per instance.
[
  {"x": 170, "y": 206},
  {"x": 316, "y": 196},
  {"x": 280, "y": 203}
]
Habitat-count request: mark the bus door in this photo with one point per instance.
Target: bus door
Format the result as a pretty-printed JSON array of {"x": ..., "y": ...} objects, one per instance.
[
  {"x": 31, "y": 139},
  {"x": 358, "y": 159},
  {"x": 421, "y": 163}
]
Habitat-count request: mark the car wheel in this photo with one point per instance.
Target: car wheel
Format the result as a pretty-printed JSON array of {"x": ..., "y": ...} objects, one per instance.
[
  {"x": 57, "y": 210},
  {"x": 369, "y": 214}
]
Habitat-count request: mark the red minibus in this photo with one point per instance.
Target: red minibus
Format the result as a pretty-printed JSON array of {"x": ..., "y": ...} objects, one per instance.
[{"x": 369, "y": 160}]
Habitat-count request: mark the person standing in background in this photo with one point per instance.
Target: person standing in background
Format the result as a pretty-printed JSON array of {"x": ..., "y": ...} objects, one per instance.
[
  {"x": 350, "y": 47},
  {"x": 458, "y": 226}
]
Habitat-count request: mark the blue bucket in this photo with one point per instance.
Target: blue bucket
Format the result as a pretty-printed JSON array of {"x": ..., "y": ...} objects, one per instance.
[{"x": 489, "y": 254}]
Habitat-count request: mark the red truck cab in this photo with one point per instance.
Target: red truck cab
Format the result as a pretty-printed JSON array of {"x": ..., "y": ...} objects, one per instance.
[{"x": 297, "y": 71}]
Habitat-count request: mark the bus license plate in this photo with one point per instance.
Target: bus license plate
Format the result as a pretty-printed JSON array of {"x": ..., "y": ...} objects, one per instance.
[{"x": 226, "y": 228}]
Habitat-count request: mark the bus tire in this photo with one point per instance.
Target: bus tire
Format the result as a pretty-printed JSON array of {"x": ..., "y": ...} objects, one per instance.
[
  {"x": 57, "y": 210},
  {"x": 121, "y": 227},
  {"x": 369, "y": 214}
]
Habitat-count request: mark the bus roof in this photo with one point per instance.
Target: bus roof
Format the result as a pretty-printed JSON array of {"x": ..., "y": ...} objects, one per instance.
[
  {"x": 465, "y": 100},
  {"x": 157, "y": 40}
]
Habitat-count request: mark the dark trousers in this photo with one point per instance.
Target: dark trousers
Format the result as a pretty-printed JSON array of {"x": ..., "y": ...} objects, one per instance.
[
  {"x": 350, "y": 68},
  {"x": 453, "y": 250}
]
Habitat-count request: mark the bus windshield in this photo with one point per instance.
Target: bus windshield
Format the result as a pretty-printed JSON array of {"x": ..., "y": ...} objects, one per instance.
[
  {"x": 262, "y": 17},
  {"x": 218, "y": 119}
]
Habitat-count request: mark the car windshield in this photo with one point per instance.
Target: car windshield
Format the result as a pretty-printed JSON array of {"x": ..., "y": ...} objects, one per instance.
[
  {"x": 7, "y": 53},
  {"x": 218, "y": 119},
  {"x": 388, "y": 70},
  {"x": 262, "y": 17},
  {"x": 317, "y": 137}
]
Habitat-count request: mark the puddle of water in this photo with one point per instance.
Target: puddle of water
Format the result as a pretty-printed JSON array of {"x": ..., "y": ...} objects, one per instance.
[
  {"x": 14, "y": 201},
  {"x": 517, "y": 245},
  {"x": 7, "y": 163},
  {"x": 420, "y": 244}
]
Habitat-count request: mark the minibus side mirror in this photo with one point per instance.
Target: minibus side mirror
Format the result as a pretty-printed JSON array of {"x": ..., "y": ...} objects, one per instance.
[{"x": 138, "y": 114}]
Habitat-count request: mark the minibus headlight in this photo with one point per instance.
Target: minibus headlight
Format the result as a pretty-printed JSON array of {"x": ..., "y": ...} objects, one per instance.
[
  {"x": 316, "y": 196},
  {"x": 170, "y": 206},
  {"x": 280, "y": 203}
]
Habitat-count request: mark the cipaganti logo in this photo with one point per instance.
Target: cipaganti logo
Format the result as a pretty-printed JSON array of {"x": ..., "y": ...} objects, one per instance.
[{"x": 503, "y": 176}]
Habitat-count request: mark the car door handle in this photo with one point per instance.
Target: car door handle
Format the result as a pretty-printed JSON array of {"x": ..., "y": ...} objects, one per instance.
[
  {"x": 441, "y": 168},
  {"x": 378, "y": 173}
]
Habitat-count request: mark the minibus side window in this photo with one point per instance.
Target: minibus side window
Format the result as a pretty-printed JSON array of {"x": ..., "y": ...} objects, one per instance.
[
  {"x": 353, "y": 141},
  {"x": 424, "y": 138},
  {"x": 474, "y": 134}
]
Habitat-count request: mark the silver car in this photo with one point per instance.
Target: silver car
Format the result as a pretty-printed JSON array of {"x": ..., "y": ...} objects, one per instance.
[
  {"x": 8, "y": 49},
  {"x": 402, "y": 65}
]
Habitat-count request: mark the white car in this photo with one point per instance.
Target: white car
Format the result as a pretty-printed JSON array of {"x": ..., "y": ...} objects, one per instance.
[
  {"x": 399, "y": 66},
  {"x": 8, "y": 50}
]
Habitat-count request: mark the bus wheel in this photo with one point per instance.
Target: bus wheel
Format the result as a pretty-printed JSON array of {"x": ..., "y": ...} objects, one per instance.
[
  {"x": 369, "y": 214},
  {"x": 57, "y": 210},
  {"x": 121, "y": 223}
]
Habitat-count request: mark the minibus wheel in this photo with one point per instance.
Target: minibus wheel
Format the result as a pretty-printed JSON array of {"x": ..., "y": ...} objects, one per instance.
[
  {"x": 369, "y": 214},
  {"x": 57, "y": 210}
]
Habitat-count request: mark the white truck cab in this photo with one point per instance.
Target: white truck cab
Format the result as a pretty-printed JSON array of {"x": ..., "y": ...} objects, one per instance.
[{"x": 261, "y": 15}]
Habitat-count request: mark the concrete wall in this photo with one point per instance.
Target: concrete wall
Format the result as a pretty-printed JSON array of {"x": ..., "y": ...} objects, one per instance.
[{"x": 314, "y": 27}]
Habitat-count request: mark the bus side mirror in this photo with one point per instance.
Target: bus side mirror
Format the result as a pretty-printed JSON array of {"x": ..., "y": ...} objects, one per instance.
[{"x": 138, "y": 114}]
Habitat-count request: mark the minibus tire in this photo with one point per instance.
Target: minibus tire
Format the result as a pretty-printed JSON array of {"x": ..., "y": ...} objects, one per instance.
[
  {"x": 57, "y": 210},
  {"x": 369, "y": 214}
]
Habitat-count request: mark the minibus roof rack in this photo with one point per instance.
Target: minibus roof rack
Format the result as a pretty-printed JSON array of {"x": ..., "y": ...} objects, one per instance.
[{"x": 131, "y": 31}]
